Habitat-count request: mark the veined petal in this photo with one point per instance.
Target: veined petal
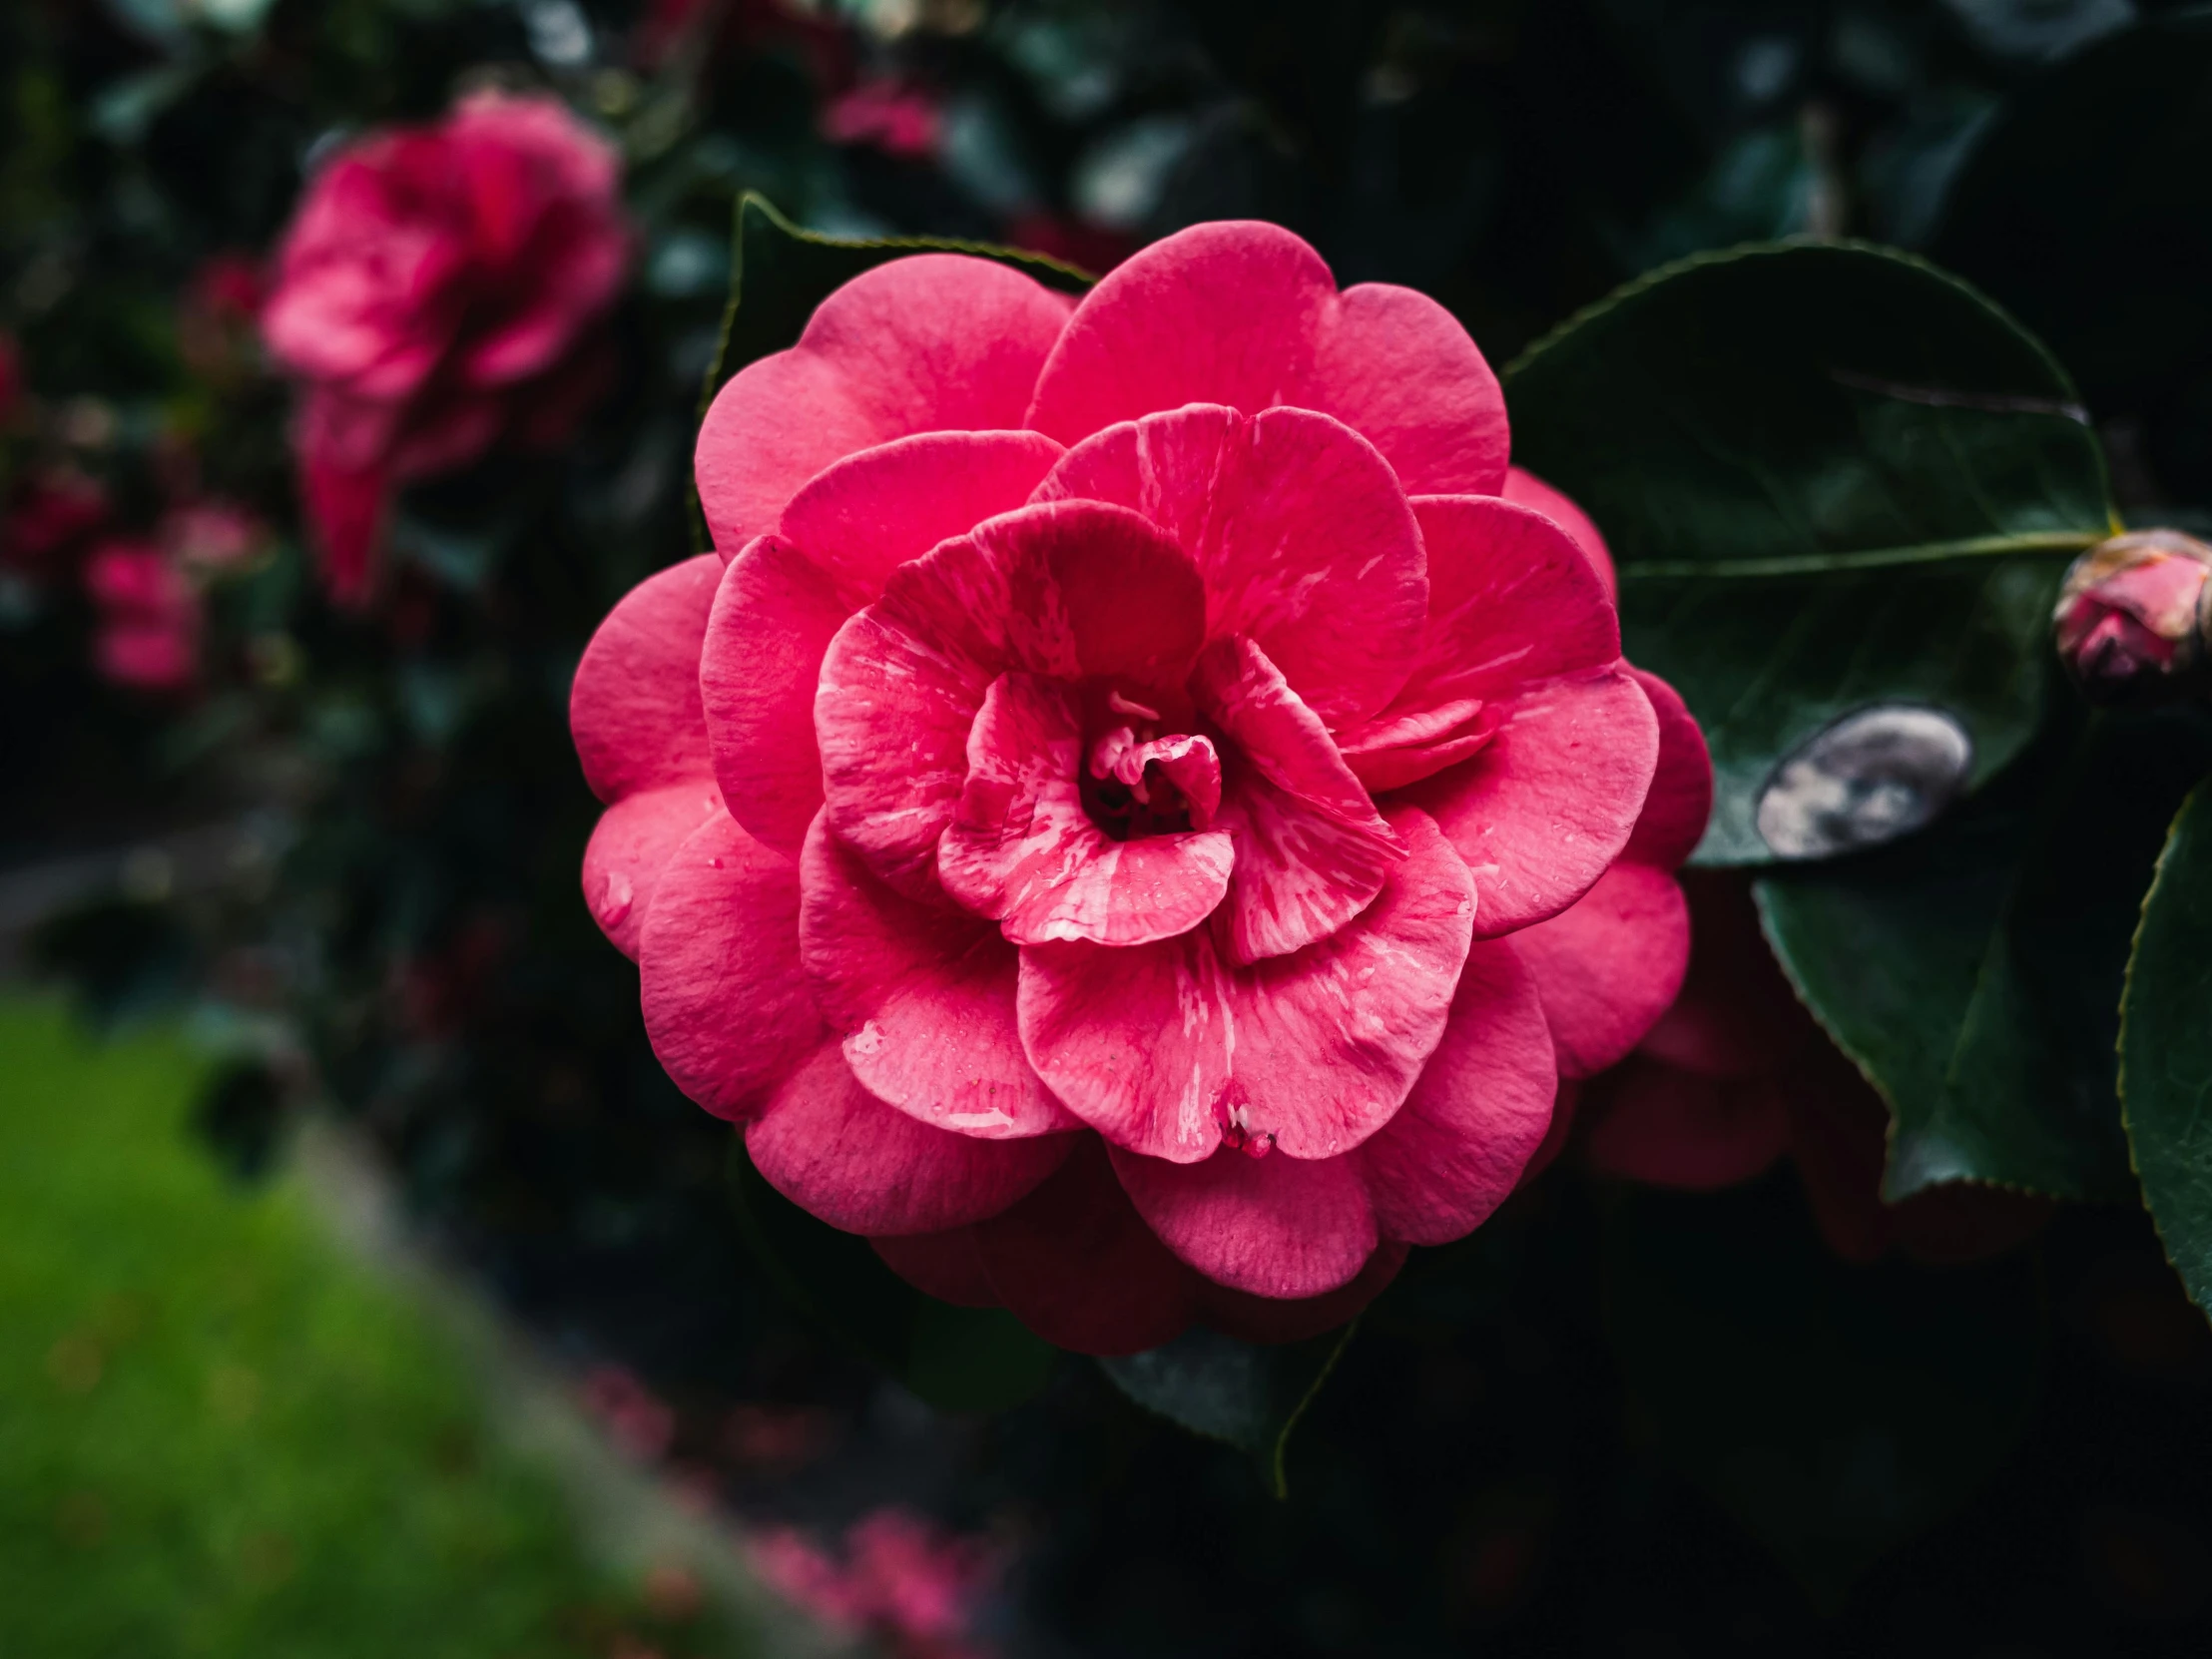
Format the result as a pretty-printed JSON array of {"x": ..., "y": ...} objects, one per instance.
[
  {"x": 1273, "y": 1226},
  {"x": 630, "y": 846},
  {"x": 633, "y": 707}
]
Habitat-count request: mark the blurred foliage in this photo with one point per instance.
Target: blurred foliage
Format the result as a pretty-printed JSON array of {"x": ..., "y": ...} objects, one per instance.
[
  {"x": 1501, "y": 1458},
  {"x": 222, "y": 1439}
]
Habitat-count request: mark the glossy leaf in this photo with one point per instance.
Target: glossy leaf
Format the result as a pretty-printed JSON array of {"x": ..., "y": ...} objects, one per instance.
[
  {"x": 2166, "y": 1046},
  {"x": 1975, "y": 972},
  {"x": 956, "y": 1359},
  {"x": 2085, "y": 207},
  {"x": 1249, "y": 1395},
  {"x": 1836, "y": 1410},
  {"x": 1831, "y": 476}
]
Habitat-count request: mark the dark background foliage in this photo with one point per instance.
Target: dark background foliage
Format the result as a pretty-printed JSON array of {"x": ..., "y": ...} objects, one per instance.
[{"x": 1614, "y": 1423}]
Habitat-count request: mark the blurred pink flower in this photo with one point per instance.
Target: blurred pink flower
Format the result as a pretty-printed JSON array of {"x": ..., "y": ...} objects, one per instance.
[
  {"x": 148, "y": 635},
  {"x": 219, "y": 312},
  {"x": 54, "y": 512},
  {"x": 902, "y": 1579},
  {"x": 432, "y": 296},
  {"x": 896, "y": 119}
]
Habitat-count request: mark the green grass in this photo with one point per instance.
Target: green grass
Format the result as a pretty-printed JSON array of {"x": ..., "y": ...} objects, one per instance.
[{"x": 221, "y": 1437}]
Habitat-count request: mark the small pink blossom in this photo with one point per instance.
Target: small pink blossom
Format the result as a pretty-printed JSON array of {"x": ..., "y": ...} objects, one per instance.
[
  {"x": 53, "y": 515},
  {"x": 896, "y": 119},
  {"x": 212, "y": 536},
  {"x": 432, "y": 296},
  {"x": 148, "y": 636},
  {"x": 900, "y": 1578},
  {"x": 1134, "y": 817},
  {"x": 637, "y": 1420}
]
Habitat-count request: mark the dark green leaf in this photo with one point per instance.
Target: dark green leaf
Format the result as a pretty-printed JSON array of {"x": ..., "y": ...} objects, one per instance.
[
  {"x": 1831, "y": 476},
  {"x": 956, "y": 1359},
  {"x": 2086, "y": 207},
  {"x": 1836, "y": 1410},
  {"x": 1975, "y": 972},
  {"x": 2166, "y": 1046},
  {"x": 1248, "y": 1395}
]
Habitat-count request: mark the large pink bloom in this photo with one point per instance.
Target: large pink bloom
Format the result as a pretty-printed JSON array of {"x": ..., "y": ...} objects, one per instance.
[
  {"x": 1083, "y": 820},
  {"x": 431, "y": 296}
]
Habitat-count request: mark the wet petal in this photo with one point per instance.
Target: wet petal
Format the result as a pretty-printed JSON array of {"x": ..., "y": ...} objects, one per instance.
[
  {"x": 630, "y": 845},
  {"x": 1274, "y": 1226}
]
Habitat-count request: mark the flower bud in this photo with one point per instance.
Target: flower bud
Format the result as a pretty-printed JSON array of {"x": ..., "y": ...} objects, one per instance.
[{"x": 2131, "y": 618}]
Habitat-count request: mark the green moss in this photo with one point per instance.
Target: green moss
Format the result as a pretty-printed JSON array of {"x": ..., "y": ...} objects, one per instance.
[{"x": 218, "y": 1436}]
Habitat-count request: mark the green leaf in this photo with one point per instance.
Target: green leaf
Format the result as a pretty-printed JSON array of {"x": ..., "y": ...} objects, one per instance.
[
  {"x": 1248, "y": 1395},
  {"x": 1831, "y": 476},
  {"x": 2166, "y": 1046},
  {"x": 2086, "y": 207},
  {"x": 1975, "y": 972},
  {"x": 1836, "y": 1410},
  {"x": 956, "y": 1359}
]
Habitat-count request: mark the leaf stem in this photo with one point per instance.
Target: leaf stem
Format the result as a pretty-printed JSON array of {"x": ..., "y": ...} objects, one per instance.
[{"x": 1873, "y": 558}]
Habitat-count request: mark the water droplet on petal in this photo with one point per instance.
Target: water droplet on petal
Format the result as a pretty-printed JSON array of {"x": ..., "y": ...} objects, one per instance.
[{"x": 1868, "y": 779}]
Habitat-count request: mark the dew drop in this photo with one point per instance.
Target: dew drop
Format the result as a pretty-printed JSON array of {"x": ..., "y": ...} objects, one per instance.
[{"x": 1870, "y": 777}]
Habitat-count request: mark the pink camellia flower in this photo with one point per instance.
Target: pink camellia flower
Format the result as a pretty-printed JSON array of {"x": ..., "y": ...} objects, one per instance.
[
  {"x": 432, "y": 294},
  {"x": 1084, "y": 820},
  {"x": 148, "y": 636},
  {"x": 1737, "y": 1074},
  {"x": 2132, "y": 618}
]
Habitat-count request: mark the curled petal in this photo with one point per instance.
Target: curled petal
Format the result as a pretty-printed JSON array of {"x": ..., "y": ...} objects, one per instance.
[
  {"x": 863, "y": 517},
  {"x": 1525, "y": 489},
  {"x": 1304, "y": 539},
  {"x": 1072, "y": 590},
  {"x": 1681, "y": 797},
  {"x": 1022, "y": 850},
  {"x": 633, "y": 707},
  {"x": 1465, "y": 1134},
  {"x": 924, "y": 997},
  {"x": 772, "y": 618},
  {"x": 1274, "y": 1225},
  {"x": 1312, "y": 850},
  {"x": 1162, "y": 1047},
  {"x": 630, "y": 845},
  {"x": 852, "y": 1160},
  {"x": 726, "y": 1004},
  {"x": 1610, "y": 965},
  {"x": 930, "y": 343},
  {"x": 1247, "y": 314}
]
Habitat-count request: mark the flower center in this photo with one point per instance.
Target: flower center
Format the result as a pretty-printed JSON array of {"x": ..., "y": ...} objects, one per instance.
[{"x": 1138, "y": 780}]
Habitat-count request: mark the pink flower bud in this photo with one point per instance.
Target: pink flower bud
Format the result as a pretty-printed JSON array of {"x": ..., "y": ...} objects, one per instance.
[{"x": 2131, "y": 617}]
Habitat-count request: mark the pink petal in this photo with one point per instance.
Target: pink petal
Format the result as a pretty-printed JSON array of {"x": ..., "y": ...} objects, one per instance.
[
  {"x": 632, "y": 842},
  {"x": 1076, "y": 1263},
  {"x": 1549, "y": 801},
  {"x": 346, "y": 504},
  {"x": 1736, "y": 1013},
  {"x": 1525, "y": 489},
  {"x": 1247, "y": 314},
  {"x": 944, "y": 1265},
  {"x": 863, "y": 517},
  {"x": 1460, "y": 1144},
  {"x": 1681, "y": 797},
  {"x": 1274, "y": 1226},
  {"x": 1649, "y": 1122},
  {"x": 727, "y": 1007},
  {"x": 925, "y": 997},
  {"x": 1075, "y": 589},
  {"x": 633, "y": 707},
  {"x": 1022, "y": 850},
  {"x": 842, "y": 1155},
  {"x": 1163, "y": 1046},
  {"x": 1609, "y": 965},
  {"x": 1266, "y": 1319},
  {"x": 1305, "y": 539},
  {"x": 930, "y": 344},
  {"x": 1312, "y": 850},
  {"x": 774, "y": 617}
]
